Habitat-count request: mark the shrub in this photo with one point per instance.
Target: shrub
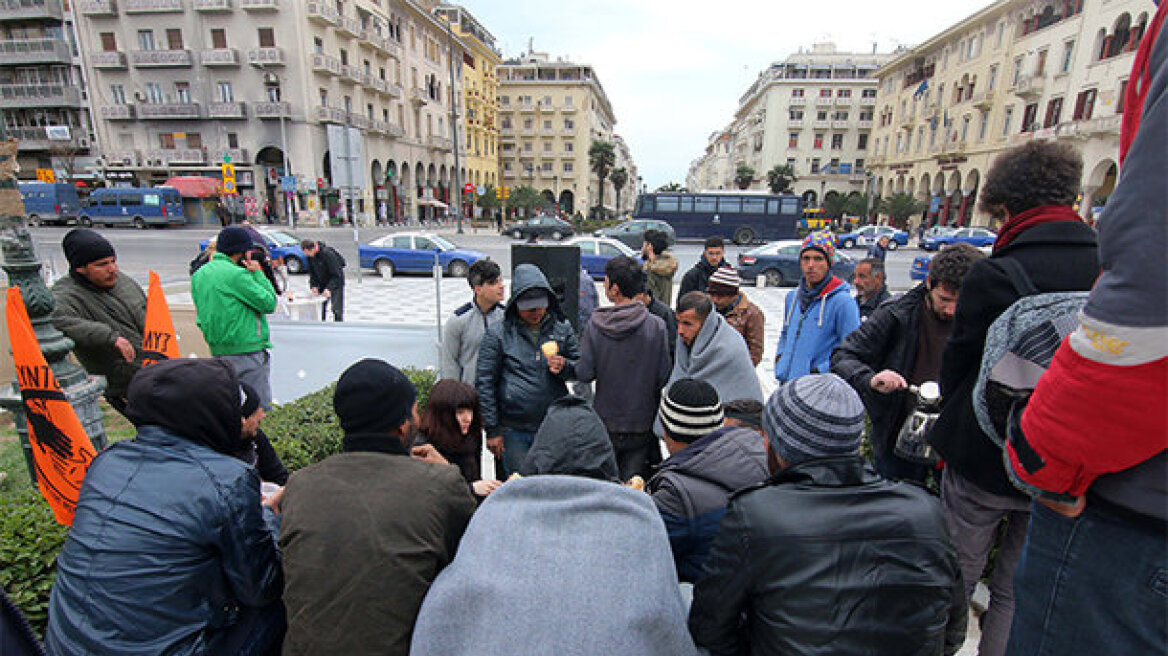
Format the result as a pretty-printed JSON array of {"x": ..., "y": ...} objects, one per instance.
[{"x": 30, "y": 538}]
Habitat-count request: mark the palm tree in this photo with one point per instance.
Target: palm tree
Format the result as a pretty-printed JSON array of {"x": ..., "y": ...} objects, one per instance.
[
  {"x": 780, "y": 178},
  {"x": 900, "y": 207},
  {"x": 619, "y": 177},
  {"x": 601, "y": 158},
  {"x": 744, "y": 176},
  {"x": 672, "y": 186}
]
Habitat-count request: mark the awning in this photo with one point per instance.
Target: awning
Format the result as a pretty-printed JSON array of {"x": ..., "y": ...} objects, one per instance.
[
  {"x": 430, "y": 202},
  {"x": 194, "y": 186}
]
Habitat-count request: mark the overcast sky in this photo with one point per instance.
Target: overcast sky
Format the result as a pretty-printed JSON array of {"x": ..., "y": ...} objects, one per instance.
[{"x": 674, "y": 69}]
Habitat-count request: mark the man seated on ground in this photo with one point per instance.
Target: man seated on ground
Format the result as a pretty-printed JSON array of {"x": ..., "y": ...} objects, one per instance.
[
  {"x": 564, "y": 560},
  {"x": 171, "y": 551},
  {"x": 743, "y": 413},
  {"x": 826, "y": 552},
  {"x": 742, "y": 315},
  {"x": 708, "y": 461},
  {"x": 711, "y": 350},
  {"x": 366, "y": 531},
  {"x": 871, "y": 292}
]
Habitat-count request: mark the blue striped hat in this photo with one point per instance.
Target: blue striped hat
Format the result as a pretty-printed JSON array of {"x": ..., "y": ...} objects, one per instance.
[{"x": 816, "y": 416}]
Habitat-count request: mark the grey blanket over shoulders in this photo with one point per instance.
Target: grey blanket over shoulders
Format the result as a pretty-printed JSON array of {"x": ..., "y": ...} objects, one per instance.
[
  {"x": 558, "y": 565},
  {"x": 719, "y": 357}
]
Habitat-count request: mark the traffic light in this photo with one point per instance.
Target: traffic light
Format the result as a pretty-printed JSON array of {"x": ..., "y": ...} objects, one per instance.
[{"x": 319, "y": 184}]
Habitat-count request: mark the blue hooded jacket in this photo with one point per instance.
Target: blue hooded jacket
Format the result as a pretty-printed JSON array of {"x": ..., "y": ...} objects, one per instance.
[{"x": 809, "y": 337}]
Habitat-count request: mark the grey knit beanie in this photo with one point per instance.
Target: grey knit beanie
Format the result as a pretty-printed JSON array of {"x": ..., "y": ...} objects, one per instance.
[{"x": 816, "y": 416}]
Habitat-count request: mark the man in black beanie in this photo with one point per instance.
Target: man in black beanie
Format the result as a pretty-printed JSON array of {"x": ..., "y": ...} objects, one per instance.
[
  {"x": 366, "y": 531},
  {"x": 103, "y": 312}
]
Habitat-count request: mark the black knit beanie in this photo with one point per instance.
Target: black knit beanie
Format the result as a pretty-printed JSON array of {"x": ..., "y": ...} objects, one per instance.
[
  {"x": 373, "y": 396},
  {"x": 82, "y": 246},
  {"x": 690, "y": 409}
]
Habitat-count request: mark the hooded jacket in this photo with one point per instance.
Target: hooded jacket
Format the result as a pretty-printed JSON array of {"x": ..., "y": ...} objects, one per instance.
[
  {"x": 169, "y": 541},
  {"x": 719, "y": 357},
  {"x": 231, "y": 303},
  {"x": 625, "y": 350},
  {"x": 514, "y": 383},
  {"x": 693, "y": 487},
  {"x": 561, "y": 561},
  {"x": 809, "y": 337},
  {"x": 697, "y": 278},
  {"x": 750, "y": 322},
  {"x": 661, "y": 270},
  {"x": 95, "y": 318}
]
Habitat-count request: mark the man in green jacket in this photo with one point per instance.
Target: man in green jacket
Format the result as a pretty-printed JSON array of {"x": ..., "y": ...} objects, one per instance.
[
  {"x": 232, "y": 297},
  {"x": 102, "y": 311}
]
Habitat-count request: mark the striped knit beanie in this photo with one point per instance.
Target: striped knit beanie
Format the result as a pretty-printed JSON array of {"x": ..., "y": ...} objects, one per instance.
[
  {"x": 690, "y": 409},
  {"x": 816, "y": 416},
  {"x": 724, "y": 282}
]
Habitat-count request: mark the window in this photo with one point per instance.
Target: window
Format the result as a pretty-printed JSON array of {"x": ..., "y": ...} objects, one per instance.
[
  {"x": 568, "y": 101},
  {"x": 569, "y": 124},
  {"x": 753, "y": 205},
  {"x": 1084, "y": 105},
  {"x": 546, "y": 167},
  {"x": 840, "y": 116},
  {"x": 323, "y": 97},
  {"x": 730, "y": 205},
  {"x": 862, "y": 143},
  {"x": 825, "y": 93},
  {"x": 109, "y": 42},
  {"x": 1121, "y": 98},
  {"x": 226, "y": 92},
  {"x": 795, "y": 115},
  {"x": 194, "y": 140},
  {"x": 1030, "y": 118},
  {"x": 318, "y": 45},
  {"x": 182, "y": 92},
  {"x": 154, "y": 93},
  {"x": 667, "y": 204},
  {"x": 568, "y": 167},
  {"x": 569, "y": 147},
  {"x": 868, "y": 93},
  {"x": 528, "y": 124},
  {"x": 837, "y": 141},
  {"x": 993, "y": 81},
  {"x": 984, "y": 126},
  {"x": 118, "y": 94},
  {"x": 344, "y": 57},
  {"x": 844, "y": 93},
  {"x": 793, "y": 140},
  {"x": 547, "y": 125},
  {"x": 1040, "y": 65},
  {"x": 267, "y": 37},
  {"x": 821, "y": 115},
  {"x": 174, "y": 40},
  {"x": 1068, "y": 57},
  {"x": 796, "y": 93},
  {"x": 815, "y": 165},
  {"x": 1006, "y": 119},
  {"x": 965, "y": 128},
  {"x": 219, "y": 38},
  {"x": 146, "y": 39},
  {"x": 818, "y": 141},
  {"x": 1054, "y": 109},
  {"x": 547, "y": 147},
  {"x": 233, "y": 140},
  {"x": 859, "y": 167},
  {"x": 1017, "y": 72}
]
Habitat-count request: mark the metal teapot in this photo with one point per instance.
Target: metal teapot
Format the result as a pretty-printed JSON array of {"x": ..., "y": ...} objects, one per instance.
[{"x": 911, "y": 441}]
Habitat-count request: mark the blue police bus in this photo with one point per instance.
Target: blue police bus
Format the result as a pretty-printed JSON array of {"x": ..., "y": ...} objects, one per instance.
[{"x": 743, "y": 217}]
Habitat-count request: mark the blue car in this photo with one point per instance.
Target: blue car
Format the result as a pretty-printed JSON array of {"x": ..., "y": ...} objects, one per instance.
[
  {"x": 868, "y": 235},
  {"x": 920, "y": 267},
  {"x": 977, "y": 236},
  {"x": 413, "y": 252},
  {"x": 282, "y": 246},
  {"x": 778, "y": 263},
  {"x": 595, "y": 252}
]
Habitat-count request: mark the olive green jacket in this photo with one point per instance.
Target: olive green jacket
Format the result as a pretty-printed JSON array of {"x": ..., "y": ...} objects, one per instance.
[{"x": 95, "y": 318}]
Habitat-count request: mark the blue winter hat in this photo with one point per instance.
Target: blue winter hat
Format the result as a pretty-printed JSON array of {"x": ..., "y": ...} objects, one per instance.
[
  {"x": 815, "y": 416},
  {"x": 232, "y": 240}
]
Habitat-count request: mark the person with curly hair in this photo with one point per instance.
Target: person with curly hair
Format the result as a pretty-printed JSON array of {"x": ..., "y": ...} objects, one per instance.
[{"x": 1031, "y": 188}]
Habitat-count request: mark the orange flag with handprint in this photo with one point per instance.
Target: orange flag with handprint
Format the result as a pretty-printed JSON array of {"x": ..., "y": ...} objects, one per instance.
[
  {"x": 61, "y": 449},
  {"x": 159, "y": 341}
]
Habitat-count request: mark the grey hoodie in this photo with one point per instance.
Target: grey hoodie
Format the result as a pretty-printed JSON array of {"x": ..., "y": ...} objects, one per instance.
[{"x": 624, "y": 349}]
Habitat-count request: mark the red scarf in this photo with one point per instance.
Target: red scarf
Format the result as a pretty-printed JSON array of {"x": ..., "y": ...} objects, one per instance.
[
  {"x": 1137, "y": 88},
  {"x": 1034, "y": 216}
]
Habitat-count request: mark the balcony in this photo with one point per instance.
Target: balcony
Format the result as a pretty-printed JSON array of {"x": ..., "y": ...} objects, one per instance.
[
  {"x": 1030, "y": 87},
  {"x": 160, "y": 58},
  {"x": 122, "y": 158},
  {"x": 98, "y": 7},
  {"x": 350, "y": 26},
  {"x": 167, "y": 111},
  {"x": 797, "y": 101},
  {"x": 118, "y": 112},
  {"x": 271, "y": 110},
  {"x": 176, "y": 156},
  {"x": 112, "y": 59},
  {"x": 212, "y": 5},
  {"x": 321, "y": 12},
  {"x": 840, "y": 124},
  {"x": 820, "y": 125},
  {"x": 393, "y": 89},
  {"x": 527, "y": 107},
  {"x": 361, "y": 122},
  {"x": 527, "y": 132},
  {"x": 39, "y": 95},
  {"x": 38, "y": 139},
  {"x": 568, "y": 109},
  {"x": 824, "y": 102},
  {"x": 984, "y": 100},
  {"x": 908, "y": 122},
  {"x": 219, "y": 57},
  {"x": 568, "y": 132},
  {"x": 795, "y": 123},
  {"x": 395, "y": 130},
  {"x": 865, "y": 125},
  {"x": 259, "y": 5},
  {"x": 269, "y": 56},
  {"x": 329, "y": 115},
  {"x": 867, "y": 101},
  {"x": 438, "y": 143},
  {"x": 151, "y": 6},
  {"x": 227, "y": 110},
  {"x": 237, "y": 155},
  {"x": 419, "y": 97},
  {"x": 20, "y": 52},
  {"x": 843, "y": 101},
  {"x": 31, "y": 10},
  {"x": 385, "y": 44},
  {"x": 1105, "y": 126},
  {"x": 322, "y": 63}
]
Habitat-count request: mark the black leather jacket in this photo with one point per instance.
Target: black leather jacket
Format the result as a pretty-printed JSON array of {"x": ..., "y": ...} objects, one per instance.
[{"x": 827, "y": 557}]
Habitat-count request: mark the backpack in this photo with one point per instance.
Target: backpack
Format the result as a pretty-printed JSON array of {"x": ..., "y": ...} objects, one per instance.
[{"x": 1018, "y": 349}]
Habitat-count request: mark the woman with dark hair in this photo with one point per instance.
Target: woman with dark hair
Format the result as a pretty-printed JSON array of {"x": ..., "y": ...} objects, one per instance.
[{"x": 453, "y": 424}]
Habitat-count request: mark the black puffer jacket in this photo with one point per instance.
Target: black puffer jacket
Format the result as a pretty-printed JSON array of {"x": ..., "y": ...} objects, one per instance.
[
  {"x": 1058, "y": 257},
  {"x": 887, "y": 340},
  {"x": 827, "y": 557},
  {"x": 697, "y": 278},
  {"x": 514, "y": 383}
]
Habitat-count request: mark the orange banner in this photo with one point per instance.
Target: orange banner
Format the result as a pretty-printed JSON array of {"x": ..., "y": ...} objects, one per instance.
[
  {"x": 159, "y": 341},
  {"x": 61, "y": 449}
]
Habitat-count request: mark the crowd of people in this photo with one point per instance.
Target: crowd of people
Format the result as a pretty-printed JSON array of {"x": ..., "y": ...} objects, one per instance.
[{"x": 676, "y": 471}]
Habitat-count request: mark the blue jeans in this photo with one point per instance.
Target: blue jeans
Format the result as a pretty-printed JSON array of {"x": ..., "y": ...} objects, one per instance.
[
  {"x": 516, "y": 444},
  {"x": 1097, "y": 584}
]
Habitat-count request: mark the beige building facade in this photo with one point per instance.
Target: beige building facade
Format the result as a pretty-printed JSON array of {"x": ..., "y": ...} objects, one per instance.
[
  {"x": 1015, "y": 71},
  {"x": 180, "y": 86},
  {"x": 549, "y": 114}
]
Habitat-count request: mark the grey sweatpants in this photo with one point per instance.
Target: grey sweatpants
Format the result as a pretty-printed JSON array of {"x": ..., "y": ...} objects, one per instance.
[{"x": 255, "y": 369}]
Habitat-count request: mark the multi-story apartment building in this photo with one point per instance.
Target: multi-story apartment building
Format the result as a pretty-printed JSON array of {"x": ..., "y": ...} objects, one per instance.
[
  {"x": 550, "y": 112},
  {"x": 42, "y": 89},
  {"x": 813, "y": 111},
  {"x": 1015, "y": 71},
  {"x": 478, "y": 129},
  {"x": 623, "y": 198},
  {"x": 179, "y": 86}
]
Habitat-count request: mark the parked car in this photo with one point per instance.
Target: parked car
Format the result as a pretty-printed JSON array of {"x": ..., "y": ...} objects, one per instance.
[
  {"x": 50, "y": 202},
  {"x": 976, "y": 236},
  {"x": 778, "y": 263},
  {"x": 139, "y": 207},
  {"x": 541, "y": 226},
  {"x": 632, "y": 233},
  {"x": 595, "y": 252},
  {"x": 282, "y": 246},
  {"x": 937, "y": 231},
  {"x": 868, "y": 235},
  {"x": 413, "y": 252}
]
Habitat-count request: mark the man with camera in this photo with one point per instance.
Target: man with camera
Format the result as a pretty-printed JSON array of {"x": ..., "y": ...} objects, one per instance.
[{"x": 232, "y": 297}]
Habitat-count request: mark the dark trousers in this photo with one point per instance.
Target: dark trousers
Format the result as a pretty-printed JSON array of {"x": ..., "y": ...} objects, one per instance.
[
  {"x": 257, "y": 632},
  {"x": 337, "y": 300},
  {"x": 632, "y": 453}
]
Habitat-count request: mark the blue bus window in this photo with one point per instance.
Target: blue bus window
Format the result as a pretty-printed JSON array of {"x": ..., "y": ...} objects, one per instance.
[
  {"x": 647, "y": 205},
  {"x": 790, "y": 205},
  {"x": 151, "y": 200},
  {"x": 730, "y": 205},
  {"x": 109, "y": 199},
  {"x": 129, "y": 199},
  {"x": 706, "y": 204},
  {"x": 773, "y": 207},
  {"x": 753, "y": 205},
  {"x": 667, "y": 203},
  {"x": 687, "y": 204}
]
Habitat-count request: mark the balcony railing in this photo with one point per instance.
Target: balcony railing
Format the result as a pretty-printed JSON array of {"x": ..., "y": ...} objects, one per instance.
[
  {"x": 266, "y": 56},
  {"x": 439, "y": 143},
  {"x": 160, "y": 58},
  {"x": 330, "y": 114},
  {"x": 396, "y": 130},
  {"x": 568, "y": 109},
  {"x": 1030, "y": 87},
  {"x": 117, "y": 112},
  {"x": 865, "y": 124},
  {"x": 38, "y": 139},
  {"x": 122, "y": 157},
  {"x": 393, "y": 89},
  {"x": 271, "y": 110},
  {"x": 34, "y": 51},
  {"x": 227, "y": 110},
  {"x": 839, "y": 124},
  {"x": 168, "y": 110},
  {"x": 212, "y": 5},
  {"x": 39, "y": 95},
  {"x": 98, "y": 7},
  {"x": 419, "y": 96},
  {"x": 321, "y": 12},
  {"x": 351, "y": 26},
  {"x": 795, "y": 123},
  {"x": 797, "y": 101},
  {"x": 108, "y": 59},
  {"x": 820, "y": 101},
  {"x": 983, "y": 99},
  {"x": 820, "y": 125},
  {"x": 386, "y": 45},
  {"x": 176, "y": 156},
  {"x": 31, "y": 10},
  {"x": 867, "y": 101},
  {"x": 843, "y": 101},
  {"x": 151, "y": 6},
  {"x": 259, "y": 5},
  {"x": 236, "y": 155},
  {"x": 219, "y": 57},
  {"x": 322, "y": 63}
]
